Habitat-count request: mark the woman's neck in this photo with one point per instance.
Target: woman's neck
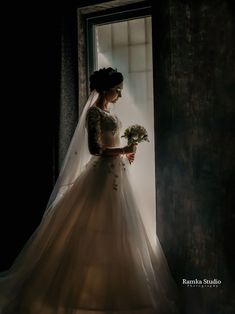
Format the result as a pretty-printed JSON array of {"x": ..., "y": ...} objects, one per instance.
[{"x": 102, "y": 103}]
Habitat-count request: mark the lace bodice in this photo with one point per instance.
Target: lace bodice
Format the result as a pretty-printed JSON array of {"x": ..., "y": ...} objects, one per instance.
[{"x": 103, "y": 130}]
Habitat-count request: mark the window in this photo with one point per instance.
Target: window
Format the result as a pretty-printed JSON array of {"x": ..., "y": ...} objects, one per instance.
[{"x": 122, "y": 39}]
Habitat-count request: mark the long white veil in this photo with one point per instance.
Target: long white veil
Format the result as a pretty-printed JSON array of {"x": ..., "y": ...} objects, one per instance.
[
  {"x": 76, "y": 158},
  {"x": 48, "y": 275}
]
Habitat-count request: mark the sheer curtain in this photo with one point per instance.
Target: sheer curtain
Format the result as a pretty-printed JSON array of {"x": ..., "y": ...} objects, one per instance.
[{"x": 127, "y": 46}]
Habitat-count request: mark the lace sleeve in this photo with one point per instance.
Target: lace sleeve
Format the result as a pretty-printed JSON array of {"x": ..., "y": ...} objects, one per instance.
[{"x": 93, "y": 129}]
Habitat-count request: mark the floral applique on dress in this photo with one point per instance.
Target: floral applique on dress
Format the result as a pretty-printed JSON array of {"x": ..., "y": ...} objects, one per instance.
[{"x": 101, "y": 123}]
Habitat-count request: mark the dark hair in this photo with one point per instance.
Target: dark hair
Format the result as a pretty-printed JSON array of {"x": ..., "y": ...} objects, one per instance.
[{"x": 104, "y": 79}]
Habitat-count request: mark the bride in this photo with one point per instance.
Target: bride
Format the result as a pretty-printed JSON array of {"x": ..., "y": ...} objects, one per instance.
[{"x": 91, "y": 252}]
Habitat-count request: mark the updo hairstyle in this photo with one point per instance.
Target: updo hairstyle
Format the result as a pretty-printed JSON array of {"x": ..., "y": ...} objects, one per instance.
[{"x": 104, "y": 79}]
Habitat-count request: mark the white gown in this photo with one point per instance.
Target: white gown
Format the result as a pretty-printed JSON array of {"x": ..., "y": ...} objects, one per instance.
[{"x": 92, "y": 255}]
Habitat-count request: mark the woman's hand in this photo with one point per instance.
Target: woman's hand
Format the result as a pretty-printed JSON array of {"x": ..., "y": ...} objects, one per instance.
[
  {"x": 129, "y": 149},
  {"x": 130, "y": 157},
  {"x": 130, "y": 152}
]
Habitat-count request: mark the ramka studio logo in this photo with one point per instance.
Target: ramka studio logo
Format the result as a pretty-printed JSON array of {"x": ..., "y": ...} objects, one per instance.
[{"x": 201, "y": 283}]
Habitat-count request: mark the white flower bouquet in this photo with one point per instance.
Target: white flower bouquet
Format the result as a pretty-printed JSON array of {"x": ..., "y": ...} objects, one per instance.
[{"x": 135, "y": 134}]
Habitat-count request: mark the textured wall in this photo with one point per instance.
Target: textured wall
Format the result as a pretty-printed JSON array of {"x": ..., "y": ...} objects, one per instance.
[
  {"x": 69, "y": 81},
  {"x": 194, "y": 54}
]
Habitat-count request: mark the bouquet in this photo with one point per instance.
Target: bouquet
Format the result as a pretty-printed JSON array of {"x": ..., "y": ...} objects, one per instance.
[{"x": 135, "y": 134}]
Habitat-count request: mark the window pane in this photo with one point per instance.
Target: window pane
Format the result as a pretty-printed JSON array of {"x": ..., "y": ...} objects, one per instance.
[{"x": 128, "y": 48}]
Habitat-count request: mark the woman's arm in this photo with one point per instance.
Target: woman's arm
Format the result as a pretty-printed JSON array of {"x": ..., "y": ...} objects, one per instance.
[
  {"x": 94, "y": 144},
  {"x": 114, "y": 151},
  {"x": 93, "y": 129}
]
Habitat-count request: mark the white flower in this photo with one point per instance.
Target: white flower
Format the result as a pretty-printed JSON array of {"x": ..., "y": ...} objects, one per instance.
[{"x": 135, "y": 134}]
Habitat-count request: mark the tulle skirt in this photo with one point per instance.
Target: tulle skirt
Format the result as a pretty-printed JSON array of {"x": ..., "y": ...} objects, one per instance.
[{"x": 91, "y": 254}]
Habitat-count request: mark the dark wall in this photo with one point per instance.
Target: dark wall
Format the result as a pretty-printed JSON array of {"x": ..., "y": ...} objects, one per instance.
[
  {"x": 194, "y": 60},
  {"x": 30, "y": 73},
  {"x": 41, "y": 112},
  {"x": 69, "y": 80}
]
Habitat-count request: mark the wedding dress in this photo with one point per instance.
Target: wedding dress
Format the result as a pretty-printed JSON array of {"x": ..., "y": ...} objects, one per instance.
[{"x": 91, "y": 254}]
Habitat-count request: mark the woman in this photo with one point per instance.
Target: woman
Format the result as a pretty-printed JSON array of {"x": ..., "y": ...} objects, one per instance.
[{"x": 91, "y": 252}]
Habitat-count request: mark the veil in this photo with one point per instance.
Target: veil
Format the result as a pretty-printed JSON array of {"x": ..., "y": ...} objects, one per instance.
[{"x": 75, "y": 159}]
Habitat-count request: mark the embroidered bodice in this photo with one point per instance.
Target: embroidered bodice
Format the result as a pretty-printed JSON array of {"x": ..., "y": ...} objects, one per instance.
[{"x": 103, "y": 130}]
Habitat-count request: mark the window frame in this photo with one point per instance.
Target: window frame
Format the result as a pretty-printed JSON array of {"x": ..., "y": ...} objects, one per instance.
[
  {"x": 118, "y": 14},
  {"x": 89, "y": 15}
]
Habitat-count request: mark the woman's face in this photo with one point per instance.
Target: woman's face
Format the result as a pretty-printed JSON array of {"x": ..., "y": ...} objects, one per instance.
[{"x": 114, "y": 93}]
